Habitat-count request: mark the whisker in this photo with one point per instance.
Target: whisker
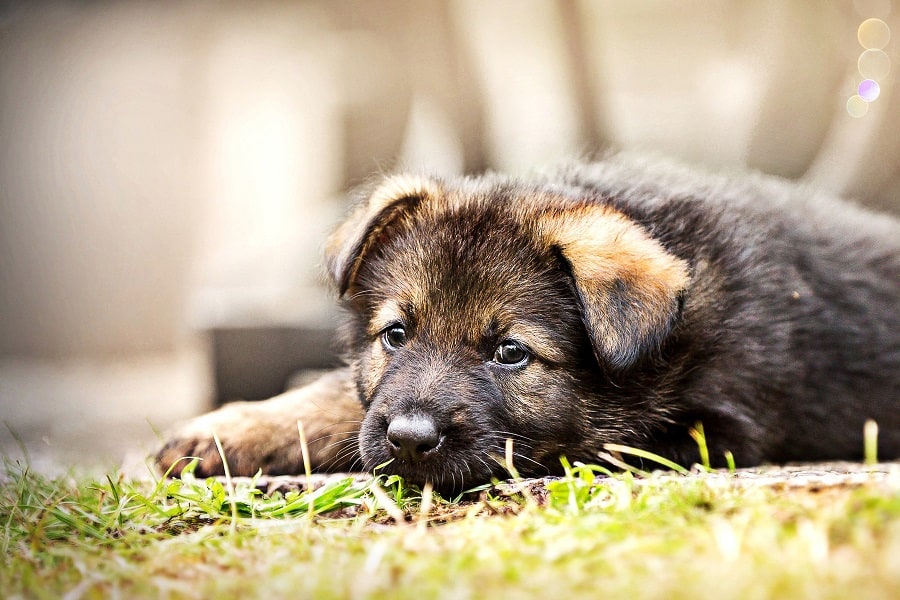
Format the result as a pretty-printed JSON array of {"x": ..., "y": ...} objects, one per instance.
[
  {"x": 325, "y": 436},
  {"x": 536, "y": 464},
  {"x": 345, "y": 450},
  {"x": 487, "y": 466},
  {"x": 343, "y": 447},
  {"x": 515, "y": 436}
]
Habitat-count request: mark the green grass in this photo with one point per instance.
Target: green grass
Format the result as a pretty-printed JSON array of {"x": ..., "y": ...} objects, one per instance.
[{"x": 640, "y": 535}]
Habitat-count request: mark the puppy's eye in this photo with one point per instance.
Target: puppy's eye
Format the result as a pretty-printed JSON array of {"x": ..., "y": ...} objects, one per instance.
[
  {"x": 511, "y": 353},
  {"x": 394, "y": 337}
]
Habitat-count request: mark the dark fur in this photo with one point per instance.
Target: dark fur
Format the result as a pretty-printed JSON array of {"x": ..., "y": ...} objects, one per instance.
[{"x": 770, "y": 315}]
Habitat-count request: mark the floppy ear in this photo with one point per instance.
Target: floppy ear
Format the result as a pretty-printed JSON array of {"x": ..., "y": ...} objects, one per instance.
[
  {"x": 628, "y": 284},
  {"x": 394, "y": 198}
]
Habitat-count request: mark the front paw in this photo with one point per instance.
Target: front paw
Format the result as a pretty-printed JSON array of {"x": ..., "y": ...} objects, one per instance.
[
  {"x": 251, "y": 439},
  {"x": 264, "y": 435}
]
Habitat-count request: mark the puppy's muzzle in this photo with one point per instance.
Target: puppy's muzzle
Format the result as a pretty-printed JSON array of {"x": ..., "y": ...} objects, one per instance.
[{"x": 413, "y": 438}]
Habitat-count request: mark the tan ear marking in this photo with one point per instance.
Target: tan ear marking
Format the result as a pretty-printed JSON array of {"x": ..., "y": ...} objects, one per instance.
[
  {"x": 350, "y": 242},
  {"x": 396, "y": 187},
  {"x": 628, "y": 283}
]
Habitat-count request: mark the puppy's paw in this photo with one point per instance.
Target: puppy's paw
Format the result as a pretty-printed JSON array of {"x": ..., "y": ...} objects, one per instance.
[
  {"x": 264, "y": 435},
  {"x": 251, "y": 440}
]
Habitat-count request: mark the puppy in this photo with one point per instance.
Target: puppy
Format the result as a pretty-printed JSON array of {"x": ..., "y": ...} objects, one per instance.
[{"x": 622, "y": 301}]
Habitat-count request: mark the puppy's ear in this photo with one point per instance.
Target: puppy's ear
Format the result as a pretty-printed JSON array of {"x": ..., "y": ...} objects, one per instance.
[
  {"x": 394, "y": 199},
  {"x": 628, "y": 284}
]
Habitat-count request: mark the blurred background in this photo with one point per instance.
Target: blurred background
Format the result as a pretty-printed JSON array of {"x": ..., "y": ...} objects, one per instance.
[{"x": 169, "y": 170}]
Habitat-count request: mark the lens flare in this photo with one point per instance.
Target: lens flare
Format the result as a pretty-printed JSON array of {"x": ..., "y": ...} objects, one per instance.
[
  {"x": 874, "y": 64},
  {"x": 857, "y": 107},
  {"x": 873, "y": 34},
  {"x": 868, "y": 90}
]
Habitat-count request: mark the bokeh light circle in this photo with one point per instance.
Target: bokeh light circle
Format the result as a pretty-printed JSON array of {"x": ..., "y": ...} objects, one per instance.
[
  {"x": 873, "y": 34},
  {"x": 874, "y": 64},
  {"x": 857, "y": 107},
  {"x": 868, "y": 90}
]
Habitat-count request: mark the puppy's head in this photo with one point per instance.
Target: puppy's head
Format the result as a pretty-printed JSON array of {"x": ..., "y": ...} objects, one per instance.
[{"x": 484, "y": 310}]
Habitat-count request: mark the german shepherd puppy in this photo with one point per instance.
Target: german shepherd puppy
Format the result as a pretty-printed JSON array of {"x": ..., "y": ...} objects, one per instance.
[{"x": 622, "y": 301}]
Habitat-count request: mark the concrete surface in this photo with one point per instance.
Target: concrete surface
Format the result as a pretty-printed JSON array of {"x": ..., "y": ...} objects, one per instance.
[{"x": 100, "y": 414}]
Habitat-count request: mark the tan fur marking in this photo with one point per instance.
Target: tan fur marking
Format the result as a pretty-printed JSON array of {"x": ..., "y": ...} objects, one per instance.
[
  {"x": 378, "y": 362},
  {"x": 387, "y": 313},
  {"x": 606, "y": 245},
  {"x": 538, "y": 339},
  {"x": 606, "y": 251},
  {"x": 396, "y": 187},
  {"x": 349, "y": 237}
]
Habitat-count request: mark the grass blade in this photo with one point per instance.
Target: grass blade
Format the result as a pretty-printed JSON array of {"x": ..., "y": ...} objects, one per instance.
[{"x": 665, "y": 462}]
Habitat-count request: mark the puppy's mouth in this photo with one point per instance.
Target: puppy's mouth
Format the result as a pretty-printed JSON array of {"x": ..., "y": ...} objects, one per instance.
[{"x": 417, "y": 449}]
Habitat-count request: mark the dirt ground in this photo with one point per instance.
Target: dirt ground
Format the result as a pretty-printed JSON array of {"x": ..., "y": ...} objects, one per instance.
[{"x": 811, "y": 477}]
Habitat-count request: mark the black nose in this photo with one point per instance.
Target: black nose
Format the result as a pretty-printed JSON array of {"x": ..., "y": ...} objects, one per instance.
[{"x": 411, "y": 437}]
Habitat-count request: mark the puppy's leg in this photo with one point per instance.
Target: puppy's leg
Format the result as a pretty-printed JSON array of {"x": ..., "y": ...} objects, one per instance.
[{"x": 263, "y": 435}]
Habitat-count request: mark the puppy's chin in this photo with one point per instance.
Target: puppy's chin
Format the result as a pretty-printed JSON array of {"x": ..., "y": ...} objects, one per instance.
[{"x": 448, "y": 478}]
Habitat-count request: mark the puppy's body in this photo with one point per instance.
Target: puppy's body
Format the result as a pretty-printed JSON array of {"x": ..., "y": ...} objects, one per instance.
[
  {"x": 791, "y": 324},
  {"x": 613, "y": 302}
]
